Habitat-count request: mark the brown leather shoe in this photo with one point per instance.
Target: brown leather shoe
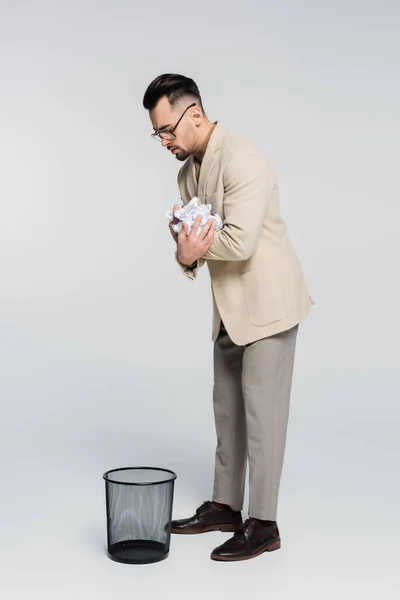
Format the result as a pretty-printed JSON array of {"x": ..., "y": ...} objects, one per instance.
[
  {"x": 209, "y": 517},
  {"x": 252, "y": 539}
]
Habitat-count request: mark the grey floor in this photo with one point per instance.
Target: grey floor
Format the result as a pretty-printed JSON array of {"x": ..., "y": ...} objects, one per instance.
[{"x": 339, "y": 496}]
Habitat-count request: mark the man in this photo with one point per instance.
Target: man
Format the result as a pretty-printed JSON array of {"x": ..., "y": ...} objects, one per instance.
[{"x": 259, "y": 299}]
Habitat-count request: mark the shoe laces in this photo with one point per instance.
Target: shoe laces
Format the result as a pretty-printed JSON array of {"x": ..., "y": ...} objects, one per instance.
[
  {"x": 201, "y": 505},
  {"x": 244, "y": 526}
]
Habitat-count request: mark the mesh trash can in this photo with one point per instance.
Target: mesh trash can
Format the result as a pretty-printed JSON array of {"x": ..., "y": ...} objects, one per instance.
[{"x": 139, "y": 512}]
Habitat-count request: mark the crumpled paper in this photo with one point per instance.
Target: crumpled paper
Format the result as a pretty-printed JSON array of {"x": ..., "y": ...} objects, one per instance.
[{"x": 189, "y": 214}]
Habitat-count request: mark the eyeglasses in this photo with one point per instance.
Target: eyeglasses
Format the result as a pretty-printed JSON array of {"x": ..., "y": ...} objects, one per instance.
[{"x": 169, "y": 133}]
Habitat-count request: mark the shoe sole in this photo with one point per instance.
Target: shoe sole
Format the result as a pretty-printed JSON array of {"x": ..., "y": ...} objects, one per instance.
[
  {"x": 275, "y": 545},
  {"x": 223, "y": 528}
]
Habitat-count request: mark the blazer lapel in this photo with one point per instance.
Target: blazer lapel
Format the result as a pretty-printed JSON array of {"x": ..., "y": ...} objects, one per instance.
[
  {"x": 208, "y": 162},
  {"x": 191, "y": 181}
]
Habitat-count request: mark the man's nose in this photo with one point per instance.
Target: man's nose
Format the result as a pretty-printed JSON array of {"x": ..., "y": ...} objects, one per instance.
[{"x": 165, "y": 142}]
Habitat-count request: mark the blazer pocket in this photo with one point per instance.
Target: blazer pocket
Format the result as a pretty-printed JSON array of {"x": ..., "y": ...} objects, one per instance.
[{"x": 264, "y": 296}]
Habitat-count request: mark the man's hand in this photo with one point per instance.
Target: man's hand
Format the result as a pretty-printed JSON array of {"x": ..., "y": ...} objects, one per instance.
[
  {"x": 192, "y": 247},
  {"x": 174, "y": 222},
  {"x": 173, "y": 233}
]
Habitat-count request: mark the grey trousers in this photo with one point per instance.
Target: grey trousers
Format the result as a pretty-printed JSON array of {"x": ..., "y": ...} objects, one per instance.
[{"x": 251, "y": 396}]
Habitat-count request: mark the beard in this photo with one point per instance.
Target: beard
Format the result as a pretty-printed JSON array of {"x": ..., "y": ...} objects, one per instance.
[{"x": 182, "y": 155}]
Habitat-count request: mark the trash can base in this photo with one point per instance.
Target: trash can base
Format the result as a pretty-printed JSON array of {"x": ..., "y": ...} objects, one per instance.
[{"x": 137, "y": 552}]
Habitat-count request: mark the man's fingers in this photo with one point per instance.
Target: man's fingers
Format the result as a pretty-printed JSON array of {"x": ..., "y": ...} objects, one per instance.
[
  {"x": 211, "y": 230},
  {"x": 208, "y": 246},
  {"x": 175, "y": 219},
  {"x": 196, "y": 225},
  {"x": 184, "y": 230},
  {"x": 209, "y": 238},
  {"x": 206, "y": 228},
  {"x": 173, "y": 232}
]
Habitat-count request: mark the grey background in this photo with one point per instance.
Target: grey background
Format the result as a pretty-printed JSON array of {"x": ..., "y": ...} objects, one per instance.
[{"x": 105, "y": 350}]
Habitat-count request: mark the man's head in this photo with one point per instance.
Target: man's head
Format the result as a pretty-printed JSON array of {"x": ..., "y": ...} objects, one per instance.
[{"x": 177, "y": 115}]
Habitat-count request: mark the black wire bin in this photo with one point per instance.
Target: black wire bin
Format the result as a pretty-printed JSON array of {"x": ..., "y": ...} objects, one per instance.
[{"x": 139, "y": 512}]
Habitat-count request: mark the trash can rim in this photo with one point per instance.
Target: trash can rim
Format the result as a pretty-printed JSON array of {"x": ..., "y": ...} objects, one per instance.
[{"x": 107, "y": 478}]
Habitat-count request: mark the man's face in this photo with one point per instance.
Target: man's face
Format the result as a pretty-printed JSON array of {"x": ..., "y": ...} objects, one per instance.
[{"x": 164, "y": 118}]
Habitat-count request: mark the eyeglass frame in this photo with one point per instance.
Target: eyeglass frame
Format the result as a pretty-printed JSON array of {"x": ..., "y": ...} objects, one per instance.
[{"x": 157, "y": 135}]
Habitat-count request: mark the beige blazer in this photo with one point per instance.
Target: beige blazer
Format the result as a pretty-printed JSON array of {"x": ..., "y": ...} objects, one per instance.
[{"x": 257, "y": 282}]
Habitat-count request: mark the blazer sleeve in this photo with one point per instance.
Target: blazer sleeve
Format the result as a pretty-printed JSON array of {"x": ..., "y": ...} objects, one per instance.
[
  {"x": 190, "y": 272},
  {"x": 249, "y": 181}
]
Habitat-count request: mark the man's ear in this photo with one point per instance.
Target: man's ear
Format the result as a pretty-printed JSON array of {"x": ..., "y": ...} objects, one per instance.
[{"x": 197, "y": 115}]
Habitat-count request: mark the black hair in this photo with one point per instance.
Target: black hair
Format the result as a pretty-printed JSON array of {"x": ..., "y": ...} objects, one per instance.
[{"x": 174, "y": 87}]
